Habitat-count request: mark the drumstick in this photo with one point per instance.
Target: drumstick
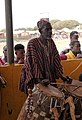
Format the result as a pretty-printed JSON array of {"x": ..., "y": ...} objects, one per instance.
[
  {"x": 76, "y": 88},
  {"x": 65, "y": 84}
]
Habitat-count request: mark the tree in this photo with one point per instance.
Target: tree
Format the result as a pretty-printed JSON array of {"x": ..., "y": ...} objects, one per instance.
[
  {"x": 3, "y": 30},
  {"x": 58, "y": 24},
  {"x": 35, "y": 28},
  {"x": 20, "y": 29},
  {"x": 54, "y": 21},
  {"x": 70, "y": 24}
]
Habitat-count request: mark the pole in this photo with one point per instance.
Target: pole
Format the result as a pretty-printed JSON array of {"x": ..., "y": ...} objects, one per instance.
[{"x": 9, "y": 31}]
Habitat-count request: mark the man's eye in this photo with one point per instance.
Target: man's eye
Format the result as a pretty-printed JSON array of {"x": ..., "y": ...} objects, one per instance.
[{"x": 48, "y": 29}]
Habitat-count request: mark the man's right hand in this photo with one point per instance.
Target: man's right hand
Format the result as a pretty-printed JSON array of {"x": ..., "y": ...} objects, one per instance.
[
  {"x": 45, "y": 82},
  {"x": 66, "y": 79}
]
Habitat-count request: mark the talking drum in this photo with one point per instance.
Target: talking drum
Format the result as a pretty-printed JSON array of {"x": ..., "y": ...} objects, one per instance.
[
  {"x": 75, "y": 88},
  {"x": 43, "y": 101},
  {"x": 75, "y": 91},
  {"x": 50, "y": 91}
]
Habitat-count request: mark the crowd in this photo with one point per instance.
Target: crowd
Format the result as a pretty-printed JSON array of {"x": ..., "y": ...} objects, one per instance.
[
  {"x": 73, "y": 52},
  {"x": 19, "y": 51}
]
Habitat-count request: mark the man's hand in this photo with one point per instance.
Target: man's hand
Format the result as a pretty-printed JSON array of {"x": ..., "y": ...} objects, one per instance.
[
  {"x": 45, "y": 82},
  {"x": 66, "y": 79}
]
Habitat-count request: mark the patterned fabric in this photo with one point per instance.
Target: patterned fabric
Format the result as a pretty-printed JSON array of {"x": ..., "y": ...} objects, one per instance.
[
  {"x": 70, "y": 55},
  {"x": 42, "y": 62},
  {"x": 39, "y": 112}
]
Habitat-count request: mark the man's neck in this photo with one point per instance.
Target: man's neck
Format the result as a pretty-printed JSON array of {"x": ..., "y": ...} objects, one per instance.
[{"x": 43, "y": 40}]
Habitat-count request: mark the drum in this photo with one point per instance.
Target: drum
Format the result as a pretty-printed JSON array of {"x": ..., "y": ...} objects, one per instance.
[
  {"x": 50, "y": 91},
  {"x": 43, "y": 97},
  {"x": 75, "y": 88}
]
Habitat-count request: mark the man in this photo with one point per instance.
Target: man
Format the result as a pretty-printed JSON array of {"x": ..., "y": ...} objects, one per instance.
[
  {"x": 20, "y": 53},
  {"x": 5, "y": 54},
  {"x": 74, "y": 35},
  {"x": 42, "y": 63},
  {"x": 42, "y": 59}
]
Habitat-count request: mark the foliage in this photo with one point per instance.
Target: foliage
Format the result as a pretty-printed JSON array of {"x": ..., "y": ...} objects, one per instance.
[
  {"x": 71, "y": 24},
  {"x": 58, "y": 25},
  {"x": 3, "y": 30},
  {"x": 54, "y": 21},
  {"x": 35, "y": 28},
  {"x": 20, "y": 29}
]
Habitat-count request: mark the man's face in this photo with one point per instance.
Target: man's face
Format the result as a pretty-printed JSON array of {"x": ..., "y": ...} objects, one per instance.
[
  {"x": 20, "y": 53},
  {"x": 76, "y": 47},
  {"x": 5, "y": 53},
  {"x": 75, "y": 37},
  {"x": 46, "y": 32}
]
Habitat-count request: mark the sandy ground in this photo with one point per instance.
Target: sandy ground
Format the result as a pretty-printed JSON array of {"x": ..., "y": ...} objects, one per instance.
[{"x": 61, "y": 44}]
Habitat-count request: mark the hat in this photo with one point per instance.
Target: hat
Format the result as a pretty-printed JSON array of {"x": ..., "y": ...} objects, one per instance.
[{"x": 42, "y": 23}]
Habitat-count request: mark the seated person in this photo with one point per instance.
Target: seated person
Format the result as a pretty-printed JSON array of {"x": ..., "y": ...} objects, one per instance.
[
  {"x": 73, "y": 37},
  {"x": 20, "y": 53},
  {"x": 74, "y": 51},
  {"x": 4, "y": 58},
  {"x": 1, "y": 61}
]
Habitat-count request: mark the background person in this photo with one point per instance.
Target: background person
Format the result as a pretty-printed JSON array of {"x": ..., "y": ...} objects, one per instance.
[
  {"x": 20, "y": 53},
  {"x": 5, "y": 54},
  {"x": 42, "y": 59},
  {"x": 74, "y": 51},
  {"x": 74, "y": 36}
]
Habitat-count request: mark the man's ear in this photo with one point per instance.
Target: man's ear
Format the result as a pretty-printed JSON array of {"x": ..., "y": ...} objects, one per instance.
[
  {"x": 16, "y": 52},
  {"x": 72, "y": 46}
]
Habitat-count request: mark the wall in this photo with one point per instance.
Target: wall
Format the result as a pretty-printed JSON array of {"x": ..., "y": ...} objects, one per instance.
[{"x": 11, "y": 99}]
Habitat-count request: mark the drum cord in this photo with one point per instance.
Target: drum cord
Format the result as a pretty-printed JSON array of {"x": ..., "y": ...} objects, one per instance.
[{"x": 75, "y": 68}]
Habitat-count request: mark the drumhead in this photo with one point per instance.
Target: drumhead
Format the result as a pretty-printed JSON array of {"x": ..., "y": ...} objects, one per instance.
[
  {"x": 50, "y": 91},
  {"x": 75, "y": 90}
]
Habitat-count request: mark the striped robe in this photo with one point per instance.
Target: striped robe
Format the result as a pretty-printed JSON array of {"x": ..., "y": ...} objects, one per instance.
[{"x": 41, "y": 62}]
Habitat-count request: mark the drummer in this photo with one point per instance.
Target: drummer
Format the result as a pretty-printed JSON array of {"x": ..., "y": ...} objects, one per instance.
[
  {"x": 42, "y": 59},
  {"x": 42, "y": 64}
]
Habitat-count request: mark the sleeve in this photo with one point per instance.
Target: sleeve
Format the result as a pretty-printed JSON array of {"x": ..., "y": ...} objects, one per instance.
[
  {"x": 30, "y": 71},
  {"x": 22, "y": 83},
  {"x": 57, "y": 63},
  {"x": 26, "y": 77}
]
